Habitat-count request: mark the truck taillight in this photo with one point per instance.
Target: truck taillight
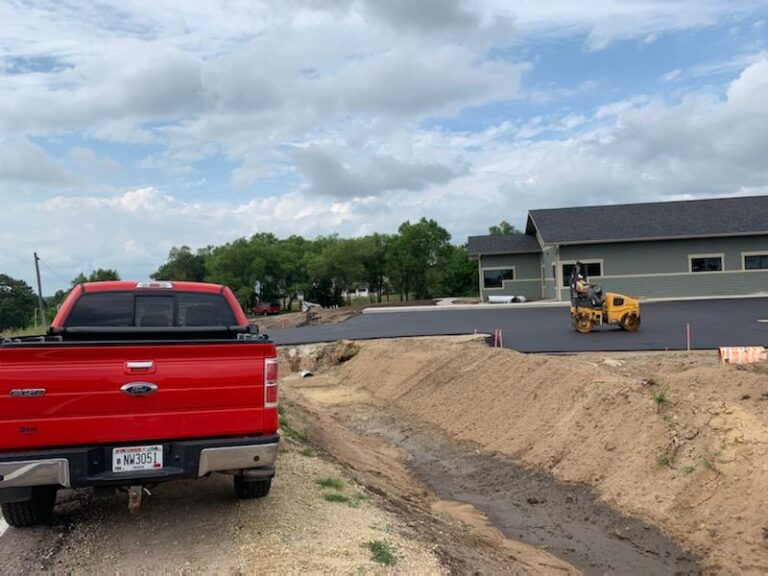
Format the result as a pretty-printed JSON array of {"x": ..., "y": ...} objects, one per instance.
[{"x": 270, "y": 383}]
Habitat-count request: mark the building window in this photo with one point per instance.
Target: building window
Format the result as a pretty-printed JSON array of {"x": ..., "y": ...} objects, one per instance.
[
  {"x": 756, "y": 262},
  {"x": 707, "y": 263},
  {"x": 496, "y": 278},
  {"x": 588, "y": 269}
]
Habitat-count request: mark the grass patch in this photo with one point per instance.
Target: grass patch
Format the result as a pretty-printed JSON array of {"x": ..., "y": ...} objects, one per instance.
[
  {"x": 381, "y": 552},
  {"x": 308, "y": 452},
  {"x": 660, "y": 398},
  {"x": 663, "y": 459},
  {"x": 357, "y": 499},
  {"x": 668, "y": 420},
  {"x": 281, "y": 410},
  {"x": 687, "y": 470},
  {"x": 330, "y": 482},
  {"x": 289, "y": 433},
  {"x": 335, "y": 497}
]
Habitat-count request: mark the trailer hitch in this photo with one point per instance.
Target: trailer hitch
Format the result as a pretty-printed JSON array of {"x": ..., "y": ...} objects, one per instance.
[{"x": 135, "y": 495}]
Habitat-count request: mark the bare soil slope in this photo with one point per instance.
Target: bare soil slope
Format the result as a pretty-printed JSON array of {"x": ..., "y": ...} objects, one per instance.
[{"x": 673, "y": 439}]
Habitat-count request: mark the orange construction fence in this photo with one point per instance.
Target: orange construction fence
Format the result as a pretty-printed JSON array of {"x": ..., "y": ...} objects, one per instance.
[{"x": 742, "y": 354}]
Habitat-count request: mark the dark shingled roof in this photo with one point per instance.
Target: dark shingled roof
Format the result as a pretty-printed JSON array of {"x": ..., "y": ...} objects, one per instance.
[
  {"x": 503, "y": 244},
  {"x": 651, "y": 221}
]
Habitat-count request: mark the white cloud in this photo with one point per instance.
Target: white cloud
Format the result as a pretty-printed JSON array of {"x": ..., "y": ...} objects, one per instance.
[
  {"x": 22, "y": 162},
  {"x": 607, "y": 21},
  {"x": 648, "y": 151},
  {"x": 337, "y": 99},
  {"x": 327, "y": 176},
  {"x": 87, "y": 159}
]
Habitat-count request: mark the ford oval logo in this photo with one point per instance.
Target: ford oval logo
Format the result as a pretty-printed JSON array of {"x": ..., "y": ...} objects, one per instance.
[{"x": 139, "y": 388}]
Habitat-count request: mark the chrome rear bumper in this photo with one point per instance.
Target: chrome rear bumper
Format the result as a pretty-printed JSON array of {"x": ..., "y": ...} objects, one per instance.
[
  {"x": 238, "y": 458},
  {"x": 34, "y": 473},
  {"x": 81, "y": 466}
]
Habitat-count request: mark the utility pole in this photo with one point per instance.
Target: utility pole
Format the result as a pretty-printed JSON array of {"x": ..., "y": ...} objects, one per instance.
[{"x": 40, "y": 290}]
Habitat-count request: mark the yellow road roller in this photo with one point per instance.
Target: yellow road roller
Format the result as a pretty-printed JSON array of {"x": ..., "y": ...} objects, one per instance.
[{"x": 609, "y": 308}]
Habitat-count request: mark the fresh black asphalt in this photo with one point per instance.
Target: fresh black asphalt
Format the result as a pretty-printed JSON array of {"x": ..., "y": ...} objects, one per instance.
[{"x": 714, "y": 323}]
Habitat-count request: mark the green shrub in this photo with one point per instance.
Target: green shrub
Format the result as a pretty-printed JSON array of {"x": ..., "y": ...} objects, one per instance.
[{"x": 381, "y": 552}]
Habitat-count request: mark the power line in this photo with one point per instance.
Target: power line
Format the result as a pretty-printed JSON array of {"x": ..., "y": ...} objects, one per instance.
[{"x": 54, "y": 272}]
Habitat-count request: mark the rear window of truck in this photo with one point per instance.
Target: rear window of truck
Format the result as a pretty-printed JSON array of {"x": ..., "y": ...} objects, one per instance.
[{"x": 129, "y": 309}]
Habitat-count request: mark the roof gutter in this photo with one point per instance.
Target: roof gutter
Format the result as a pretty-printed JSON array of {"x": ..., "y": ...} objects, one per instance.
[{"x": 653, "y": 238}]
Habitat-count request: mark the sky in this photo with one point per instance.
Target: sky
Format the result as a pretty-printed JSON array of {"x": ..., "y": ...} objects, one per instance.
[{"x": 132, "y": 127}]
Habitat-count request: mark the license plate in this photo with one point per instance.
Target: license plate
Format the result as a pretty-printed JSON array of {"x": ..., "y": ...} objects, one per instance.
[{"x": 134, "y": 458}]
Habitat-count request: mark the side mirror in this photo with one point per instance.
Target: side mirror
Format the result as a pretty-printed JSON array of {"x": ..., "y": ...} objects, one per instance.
[{"x": 253, "y": 328}]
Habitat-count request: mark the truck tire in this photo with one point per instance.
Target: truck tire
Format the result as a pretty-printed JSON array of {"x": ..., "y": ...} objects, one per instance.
[
  {"x": 248, "y": 489},
  {"x": 37, "y": 510}
]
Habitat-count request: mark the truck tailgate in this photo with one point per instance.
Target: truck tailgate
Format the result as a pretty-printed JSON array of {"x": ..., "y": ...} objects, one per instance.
[{"x": 72, "y": 394}]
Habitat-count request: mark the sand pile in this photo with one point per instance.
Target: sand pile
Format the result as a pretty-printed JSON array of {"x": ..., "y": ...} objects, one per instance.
[{"x": 679, "y": 445}]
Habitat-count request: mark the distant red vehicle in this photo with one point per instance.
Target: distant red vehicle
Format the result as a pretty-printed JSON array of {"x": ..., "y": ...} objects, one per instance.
[
  {"x": 135, "y": 384},
  {"x": 266, "y": 308}
]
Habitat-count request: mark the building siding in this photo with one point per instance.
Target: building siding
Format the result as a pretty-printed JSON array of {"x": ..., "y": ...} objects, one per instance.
[
  {"x": 678, "y": 286},
  {"x": 527, "y": 280},
  {"x": 665, "y": 256},
  {"x": 661, "y": 269},
  {"x": 548, "y": 259}
]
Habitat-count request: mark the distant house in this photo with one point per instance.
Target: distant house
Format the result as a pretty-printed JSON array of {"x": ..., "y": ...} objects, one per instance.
[{"x": 709, "y": 247}]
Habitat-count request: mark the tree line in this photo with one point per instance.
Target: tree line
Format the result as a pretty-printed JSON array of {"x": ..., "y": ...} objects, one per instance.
[{"x": 418, "y": 262}]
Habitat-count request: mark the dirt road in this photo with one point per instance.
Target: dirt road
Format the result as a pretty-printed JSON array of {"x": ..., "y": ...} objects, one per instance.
[{"x": 199, "y": 527}]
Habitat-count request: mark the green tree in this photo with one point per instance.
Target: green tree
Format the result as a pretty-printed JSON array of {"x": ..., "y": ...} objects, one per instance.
[
  {"x": 17, "y": 303},
  {"x": 182, "y": 264},
  {"x": 376, "y": 250},
  {"x": 503, "y": 228},
  {"x": 417, "y": 253},
  {"x": 335, "y": 265},
  {"x": 459, "y": 274},
  {"x": 98, "y": 275},
  {"x": 289, "y": 268},
  {"x": 237, "y": 265}
]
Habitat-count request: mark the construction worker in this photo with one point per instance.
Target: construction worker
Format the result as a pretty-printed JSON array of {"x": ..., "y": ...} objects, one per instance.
[{"x": 584, "y": 288}]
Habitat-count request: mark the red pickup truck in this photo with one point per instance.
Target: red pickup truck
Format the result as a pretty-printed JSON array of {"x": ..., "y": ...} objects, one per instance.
[
  {"x": 266, "y": 308},
  {"x": 136, "y": 384}
]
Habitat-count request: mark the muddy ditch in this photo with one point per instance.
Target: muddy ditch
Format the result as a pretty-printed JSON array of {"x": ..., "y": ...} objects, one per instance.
[
  {"x": 673, "y": 440},
  {"x": 566, "y": 520},
  {"x": 632, "y": 464}
]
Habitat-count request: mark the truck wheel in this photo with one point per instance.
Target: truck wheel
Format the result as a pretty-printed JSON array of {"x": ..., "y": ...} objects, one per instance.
[
  {"x": 37, "y": 510},
  {"x": 247, "y": 489}
]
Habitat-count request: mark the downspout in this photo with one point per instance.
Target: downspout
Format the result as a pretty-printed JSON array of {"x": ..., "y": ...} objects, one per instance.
[
  {"x": 480, "y": 276},
  {"x": 558, "y": 273}
]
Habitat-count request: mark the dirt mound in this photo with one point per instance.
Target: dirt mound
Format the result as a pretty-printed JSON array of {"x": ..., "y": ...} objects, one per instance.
[
  {"x": 315, "y": 317},
  {"x": 314, "y": 357},
  {"x": 666, "y": 439}
]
